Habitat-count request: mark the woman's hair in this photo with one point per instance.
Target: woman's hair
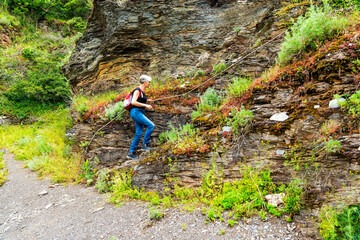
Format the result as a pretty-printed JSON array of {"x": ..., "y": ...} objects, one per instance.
[{"x": 144, "y": 78}]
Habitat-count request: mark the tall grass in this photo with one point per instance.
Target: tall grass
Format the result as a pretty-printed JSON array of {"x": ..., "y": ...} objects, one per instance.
[
  {"x": 43, "y": 146},
  {"x": 309, "y": 31},
  {"x": 239, "y": 86},
  {"x": 3, "y": 170}
]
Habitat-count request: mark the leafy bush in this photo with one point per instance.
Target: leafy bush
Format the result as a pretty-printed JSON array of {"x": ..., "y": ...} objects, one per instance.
[
  {"x": 352, "y": 104},
  {"x": 239, "y": 86},
  {"x": 42, "y": 9},
  {"x": 310, "y": 30},
  {"x": 44, "y": 87},
  {"x": 155, "y": 214},
  {"x": 240, "y": 119}
]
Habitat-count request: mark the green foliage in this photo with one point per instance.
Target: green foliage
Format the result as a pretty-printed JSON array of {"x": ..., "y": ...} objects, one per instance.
[
  {"x": 354, "y": 4},
  {"x": 114, "y": 112},
  {"x": 332, "y": 146},
  {"x": 352, "y": 104},
  {"x": 336, "y": 224},
  {"x": 3, "y": 170},
  {"x": 155, "y": 214},
  {"x": 311, "y": 30},
  {"x": 232, "y": 222},
  {"x": 195, "y": 73},
  {"x": 177, "y": 135},
  {"x": 87, "y": 172},
  {"x": 238, "y": 86},
  {"x": 219, "y": 67},
  {"x": 103, "y": 181},
  {"x": 209, "y": 101},
  {"x": 121, "y": 187},
  {"x": 45, "y": 9},
  {"x": 293, "y": 197},
  {"x": 240, "y": 119}
]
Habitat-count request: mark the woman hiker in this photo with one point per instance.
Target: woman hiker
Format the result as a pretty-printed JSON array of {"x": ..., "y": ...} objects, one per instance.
[{"x": 137, "y": 112}]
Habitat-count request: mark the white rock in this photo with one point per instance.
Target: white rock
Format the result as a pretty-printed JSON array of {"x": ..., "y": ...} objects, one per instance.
[
  {"x": 281, "y": 117},
  {"x": 317, "y": 106},
  {"x": 335, "y": 103},
  {"x": 226, "y": 129},
  {"x": 275, "y": 199},
  {"x": 43, "y": 193},
  {"x": 280, "y": 152}
]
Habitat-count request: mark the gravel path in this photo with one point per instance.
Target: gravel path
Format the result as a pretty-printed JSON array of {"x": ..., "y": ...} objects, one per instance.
[{"x": 38, "y": 209}]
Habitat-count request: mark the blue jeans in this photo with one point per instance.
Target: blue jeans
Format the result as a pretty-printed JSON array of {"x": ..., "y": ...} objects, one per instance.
[{"x": 141, "y": 121}]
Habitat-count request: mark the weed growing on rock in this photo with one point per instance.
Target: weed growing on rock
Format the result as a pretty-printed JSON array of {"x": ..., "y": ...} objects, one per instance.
[
  {"x": 352, "y": 104},
  {"x": 238, "y": 86},
  {"x": 209, "y": 101},
  {"x": 87, "y": 172},
  {"x": 240, "y": 119},
  {"x": 332, "y": 146},
  {"x": 219, "y": 67},
  {"x": 155, "y": 214},
  {"x": 114, "y": 112},
  {"x": 3, "y": 170}
]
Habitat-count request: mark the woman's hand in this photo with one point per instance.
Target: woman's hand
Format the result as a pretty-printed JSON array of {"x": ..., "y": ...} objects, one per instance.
[{"x": 148, "y": 106}]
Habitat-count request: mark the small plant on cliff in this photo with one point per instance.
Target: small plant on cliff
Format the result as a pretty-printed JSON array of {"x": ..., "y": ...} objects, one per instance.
[
  {"x": 219, "y": 67},
  {"x": 239, "y": 86},
  {"x": 241, "y": 118},
  {"x": 114, "y": 112},
  {"x": 332, "y": 146},
  {"x": 311, "y": 30},
  {"x": 209, "y": 101},
  {"x": 87, "y": 172},
  {"x": 155, "y": 214},
  {"x": 352, "y": 104}
]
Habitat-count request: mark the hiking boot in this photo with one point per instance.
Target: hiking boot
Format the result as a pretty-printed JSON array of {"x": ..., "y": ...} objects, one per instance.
[
  {"x": 146, "y": 147},
  {"x": 131, "y": 155}
]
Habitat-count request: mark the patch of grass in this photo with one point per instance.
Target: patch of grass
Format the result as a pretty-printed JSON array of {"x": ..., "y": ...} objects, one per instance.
[
  {"x": 155, "y": 214},
  {"x": 42, "y": 145},
  {"x": 3, "y": 170}
]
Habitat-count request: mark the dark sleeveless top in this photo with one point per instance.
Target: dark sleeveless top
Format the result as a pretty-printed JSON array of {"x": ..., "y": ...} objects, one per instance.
[{"x": 141, "y": 99}]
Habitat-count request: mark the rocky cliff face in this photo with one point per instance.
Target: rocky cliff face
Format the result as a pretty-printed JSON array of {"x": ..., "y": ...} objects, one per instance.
[
  {"x": 160, "y": 37},
  {"x": 164, "y": 38}
]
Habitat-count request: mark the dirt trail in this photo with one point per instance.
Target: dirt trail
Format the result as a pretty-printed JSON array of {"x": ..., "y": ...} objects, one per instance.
[{"x": 36, "y": 209}]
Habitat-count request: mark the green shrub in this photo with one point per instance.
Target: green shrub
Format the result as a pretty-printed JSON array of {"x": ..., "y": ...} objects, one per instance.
[
  {"x": 239, "y": 86},
  {"x": 240, "y": 119},
  {"x": 293, "y": 197},
  {"x": 103, "y": 181},
  {"x": 155, "y": 214},
  {"x": 309, "y": 31},
  {"x": 115, "y": 112},
  {"x": 354, "y": 4},
  {"x": 42, "y": 9},
  {"x": 332, "y": 146},
  {"x": 336, "y": 224},
  {"x": 29, "y": 53},
  {"x": 209, "y": 101},
  {"x": 176, "y": 135}
]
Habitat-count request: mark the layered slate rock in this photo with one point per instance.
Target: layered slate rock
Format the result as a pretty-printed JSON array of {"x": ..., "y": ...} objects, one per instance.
[{"x": 163, "y": 38}]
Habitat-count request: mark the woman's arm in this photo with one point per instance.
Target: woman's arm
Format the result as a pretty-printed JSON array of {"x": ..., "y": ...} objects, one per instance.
[{"x": 134, "y": 101}]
